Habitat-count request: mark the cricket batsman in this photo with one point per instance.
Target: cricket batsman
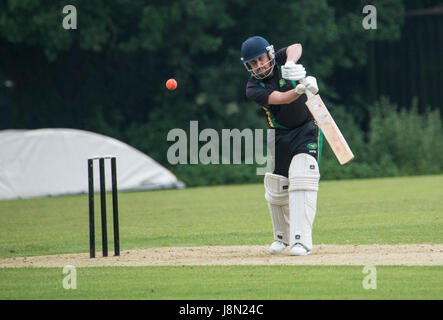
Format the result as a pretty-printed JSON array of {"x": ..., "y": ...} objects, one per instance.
[{"x": 291, "y": 189}]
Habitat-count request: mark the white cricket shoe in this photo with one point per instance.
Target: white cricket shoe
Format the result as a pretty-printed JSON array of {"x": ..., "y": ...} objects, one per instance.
[
  {"x": 298, "y": 250},
  {"x": 277, "y": 247}
]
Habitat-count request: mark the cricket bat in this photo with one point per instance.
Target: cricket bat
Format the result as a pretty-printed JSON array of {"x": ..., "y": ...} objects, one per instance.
[{"x": 329, "y": 128}]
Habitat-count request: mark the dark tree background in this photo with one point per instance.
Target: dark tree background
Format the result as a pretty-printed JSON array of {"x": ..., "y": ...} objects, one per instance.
[{"x": 108, "y": 76}]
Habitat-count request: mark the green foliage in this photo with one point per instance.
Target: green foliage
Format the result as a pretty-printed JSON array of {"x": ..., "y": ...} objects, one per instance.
[
  {"x": 200, "y": 175},
  {"x": 405, "y": 139},
  {"x": 108, "y": 76},
  {"x": 398, "y": 142}
]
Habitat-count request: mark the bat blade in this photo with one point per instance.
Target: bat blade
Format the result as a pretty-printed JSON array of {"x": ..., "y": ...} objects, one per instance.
[{"x": 329, "y": 128}]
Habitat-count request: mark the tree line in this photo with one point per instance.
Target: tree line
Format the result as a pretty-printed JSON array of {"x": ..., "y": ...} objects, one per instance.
[{"x": 108, "y": 75}]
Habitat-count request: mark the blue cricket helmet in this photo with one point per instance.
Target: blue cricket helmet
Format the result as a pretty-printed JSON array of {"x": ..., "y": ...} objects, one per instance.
[{"x": 253, "y": 48}]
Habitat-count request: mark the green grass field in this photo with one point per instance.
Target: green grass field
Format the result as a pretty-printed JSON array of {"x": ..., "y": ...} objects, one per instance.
[{"x": 374, "y": 211}]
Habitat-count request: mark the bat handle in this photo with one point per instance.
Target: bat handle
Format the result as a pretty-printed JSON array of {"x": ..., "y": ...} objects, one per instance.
[{"x": 309, "y": 94}]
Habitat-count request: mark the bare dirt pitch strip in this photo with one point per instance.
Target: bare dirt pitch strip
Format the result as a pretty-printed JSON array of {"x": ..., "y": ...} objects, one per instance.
[{"x": 403, "y": 254}]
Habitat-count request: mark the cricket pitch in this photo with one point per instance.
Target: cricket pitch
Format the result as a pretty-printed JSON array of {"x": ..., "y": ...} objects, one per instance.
[{"x": 322, "y": 254}]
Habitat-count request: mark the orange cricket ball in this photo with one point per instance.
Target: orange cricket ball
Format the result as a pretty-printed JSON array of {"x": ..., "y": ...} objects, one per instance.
[{"x": 171, "y": 84}]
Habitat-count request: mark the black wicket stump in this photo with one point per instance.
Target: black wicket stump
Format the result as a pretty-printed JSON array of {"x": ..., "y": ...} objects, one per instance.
[
  {"x": 115, "y": 206},
  {"x": 91, "y": 208},
  {"x": 103, "y": 206}
]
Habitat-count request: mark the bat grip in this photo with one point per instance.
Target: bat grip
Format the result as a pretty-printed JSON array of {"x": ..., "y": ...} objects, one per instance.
[{"x": 309, "y": 94}]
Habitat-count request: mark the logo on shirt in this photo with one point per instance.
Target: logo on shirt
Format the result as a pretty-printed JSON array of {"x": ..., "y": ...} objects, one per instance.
[
  {"x": 311, "y": 146},
  {"x": 282, "y": 82}
]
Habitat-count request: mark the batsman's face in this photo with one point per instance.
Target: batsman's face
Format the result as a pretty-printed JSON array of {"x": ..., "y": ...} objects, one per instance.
[{"x": 262, "y": 65}]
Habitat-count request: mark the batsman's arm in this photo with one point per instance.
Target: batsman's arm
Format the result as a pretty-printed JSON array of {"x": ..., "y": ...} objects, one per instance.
[
  {"x": 294, "y": 52},
  {"x": 277, "y": 97}
]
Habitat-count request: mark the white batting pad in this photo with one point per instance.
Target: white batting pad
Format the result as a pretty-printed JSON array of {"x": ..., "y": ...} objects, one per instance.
[
  {"x": 276, "y": 187},
  {"x": 304, "y": 176}
]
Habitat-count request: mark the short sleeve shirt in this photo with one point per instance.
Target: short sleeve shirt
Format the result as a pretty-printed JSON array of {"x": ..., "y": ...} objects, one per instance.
[{"x": 284, "y": 116}]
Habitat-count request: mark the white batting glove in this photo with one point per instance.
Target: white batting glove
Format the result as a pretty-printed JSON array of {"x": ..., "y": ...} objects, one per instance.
[
  {"x": 300, "y": 89},
  {"x": 292, "y": 71},
  {"x": 311, "y": 84}
]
